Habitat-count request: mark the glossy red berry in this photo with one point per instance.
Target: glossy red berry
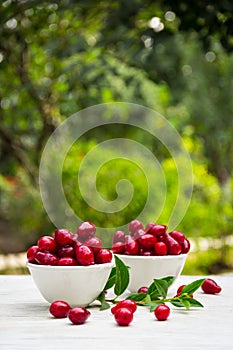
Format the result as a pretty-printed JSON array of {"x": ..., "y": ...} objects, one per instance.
[
  {"x": 138, "y": 234},
  {"x": 86, "y": 230},
  {"x": 173, "y": 247},
  {"x": 209, "y": 286},
  {"x": 47, "y": 243},
  {"x": 185, "y": 246},
  {"x": 156, "y": 229},
  {"x": 46, "y": 258},
  {"x": 31, "y": 254},
  {"x": 178, "y": 236},
  {"x": 128, "y": 303},
  {"x": 78, "y": 315},
  {"x": 94, "y": 243},
  {"x": 66, "y": 251},
  {"x": 160, "y": 248},
  {"x": 179, "y": 291},
  {"x": 119, "y": 236},
  {"x": 131, "y": 246},
  {"x": 147, "y": 241},
  {"x": 123, "y": 316},
  {"x": 103, "y": 256},
  {"x": 67, "y": 261},
  {"x": 162, "y": 312},
  {"x": 143, "y": 289},
  {"x": 63, "y": 237},
  {"x": 84, "y": 255},
  {"x": 59, "y": 309},
  {"x": 134, "y": 226},
  {"x": 118, "y": 248}
]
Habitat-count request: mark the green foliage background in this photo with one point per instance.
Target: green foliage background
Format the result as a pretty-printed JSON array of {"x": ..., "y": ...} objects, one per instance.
[{"x": 59, "y": 57}]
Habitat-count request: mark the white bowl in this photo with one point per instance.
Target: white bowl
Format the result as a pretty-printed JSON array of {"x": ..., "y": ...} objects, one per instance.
[
  {"x": 77, "y": 285},
  {"x": 143, "y": 269}
]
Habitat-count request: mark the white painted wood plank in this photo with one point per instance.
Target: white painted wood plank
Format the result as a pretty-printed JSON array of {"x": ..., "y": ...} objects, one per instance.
[{"x": 25, "y": 323}]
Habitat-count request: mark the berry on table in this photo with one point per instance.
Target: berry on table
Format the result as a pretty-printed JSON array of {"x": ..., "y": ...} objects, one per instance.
[
  {"x": 209, "y": 286},
  {"x": 59, "y": 309},
  {"x": 123, "y": 316},
  {"x": 78, "y": 315},
  {"x": 128, "y": 303},
  {"x": 143, "y": 289},
  {"x": 162, "y": 312}
]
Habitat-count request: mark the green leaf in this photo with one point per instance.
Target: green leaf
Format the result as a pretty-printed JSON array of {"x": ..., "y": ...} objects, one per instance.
[
  {"x": 195, "y": 303},
  {"x": 162, "y": 287},
  {"x": 122, "y": 276},
  {"x": 192, "y": 287},
  {"x": 137, "y": 296},
  {"x": 104, "y": 304},
  {"x": 111, "y": 280},
  {"x": 176, "y": 303},
  {"x": 169, "y": 280},
  {"x": 186, "y": 304}
]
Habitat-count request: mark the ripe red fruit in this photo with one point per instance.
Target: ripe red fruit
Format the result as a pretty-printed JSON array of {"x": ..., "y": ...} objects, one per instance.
[
  {"x": 66, "y": 251},
  {"x": 138, "y": 234},
  {"x": 143, "y": 290},
  {"x": 119, "y": 236},
  {"x": 67, "y": 261},
  {"x": 59, "y": 309},
  {"x": 131, "y": 246},
  {"x": 46, "y": 258},
  {"x": 156, "y": 229},
  {"x": 63, "y": 237},
  {"x": 47, "y": 243},
  {"x": 178, "y": 236},
  {"x": 86, "y": 230},
  {"x": 162, "y": 312},
  {"x": 160, "y": 248},
  {"x": 185, "y": 246},
  {"x": 128, "y": 303},
  {"x": 118, "y": 248},
  {"x": 84, "y": 255},
  {"x": 173, "y": 247},
  {"x": 31, "y": 253},
  {"x": 123, "y": 316},
  {"x": 147, "y": 241},
  {"x": 103, "y": 256},
  {"x": 179, "y": 291},
  {"x": 134, "y": 226},
  {"x": 94, "y": 243},
  {"x": 78, "y": 315},
  {"x": 209, "y": 286}
]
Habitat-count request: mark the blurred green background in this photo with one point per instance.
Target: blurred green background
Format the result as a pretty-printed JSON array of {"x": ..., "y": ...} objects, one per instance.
[{"x": 176, "y": 57}]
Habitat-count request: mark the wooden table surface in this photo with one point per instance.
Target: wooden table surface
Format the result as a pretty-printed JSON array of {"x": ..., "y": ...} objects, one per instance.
[{"x": 25, "y": 322}]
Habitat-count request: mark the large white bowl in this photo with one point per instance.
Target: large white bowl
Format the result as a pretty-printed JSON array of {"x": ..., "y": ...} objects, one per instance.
[
  {"x": 143, "y": 269},
  {"x": 77, "y": 285}
]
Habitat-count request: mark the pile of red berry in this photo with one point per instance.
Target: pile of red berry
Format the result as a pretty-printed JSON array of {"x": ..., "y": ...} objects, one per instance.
[
  {"x": 65, "y": 248},
  {"x": 151, "y": 240}
]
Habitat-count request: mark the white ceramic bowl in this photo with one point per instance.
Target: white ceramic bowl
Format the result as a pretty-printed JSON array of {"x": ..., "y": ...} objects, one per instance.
[
  {"x": 77, "y": 285},
  {"x": 143, "y": 269}
]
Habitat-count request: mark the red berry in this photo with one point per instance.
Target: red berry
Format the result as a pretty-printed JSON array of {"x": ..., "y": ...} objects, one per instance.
[
  {"x": 123, "y": 316},
  {"x": 78, "y": 315},
  {"x": 47, "y": 243},
  {"x": 128, "y": 303},
  {"x": 86, "y": 230},
  {"x": 131, "y": 246},
  {"x": 162, "y": 312},
  {"x": 118, "y": 248},
  {"x": 67, "y": 261},
  {"x": 156, "y": 229},
  {"x": 119, "y": 236},
  {"x": 134, "y": 226},
  {"x": 185, "y": 246},
  {"x": 103, "y": 256},
  {"x": 147, "y": 241},
  {"x": 173, "y": 247},
  {"x": 160, "y": 248},
  {"x": 63, "y": 237},
  {"x": 31, "y": 253},
  {"x": 209, "y": 286},
  {"x": 46, "y": 258},
  {"x": 59, "y": 309},
  {"x": 178, "y": 236},
  {"x": 138, "y": 234},
  {"x": 84, "y": 255},
  {"x": 95, "y": 244},
  {"x": 66, "y": 251},
  {"x": 143, "y": 290},
  {"x": 179, "y": 291}
]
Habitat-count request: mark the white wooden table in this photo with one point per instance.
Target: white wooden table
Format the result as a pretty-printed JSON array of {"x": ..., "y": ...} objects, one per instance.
[{"x": 25, "y": 323}]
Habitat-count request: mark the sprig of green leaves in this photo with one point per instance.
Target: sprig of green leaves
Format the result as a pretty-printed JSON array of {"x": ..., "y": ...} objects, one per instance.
[{"x": 156, "y": 294}]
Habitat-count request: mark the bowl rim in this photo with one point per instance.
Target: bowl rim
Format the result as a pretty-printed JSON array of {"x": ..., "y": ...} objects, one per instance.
[
  {"x": 152, "y": 257},
  {"x": 76, "y": 267}
]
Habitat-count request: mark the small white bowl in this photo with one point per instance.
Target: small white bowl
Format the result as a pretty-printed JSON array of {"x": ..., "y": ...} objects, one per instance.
[
  {"x": 77, "y": 285},
  {"x": 143, "y": 269}
]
